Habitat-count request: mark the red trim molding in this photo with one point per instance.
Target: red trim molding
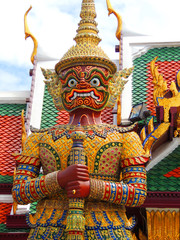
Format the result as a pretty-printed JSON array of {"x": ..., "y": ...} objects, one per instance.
[
  {"x": 5, "y": 188},
  {"x": 16, "y": 221},
  {"x": 14, "y": 236},
  {"x": 162, "y": 200}
]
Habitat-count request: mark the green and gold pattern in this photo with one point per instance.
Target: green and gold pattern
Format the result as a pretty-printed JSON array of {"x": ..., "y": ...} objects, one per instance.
[
  {"x": 83, "y": 83},
  {"x": 168, "y": 65},
  {"x": 103, "y": 144}
]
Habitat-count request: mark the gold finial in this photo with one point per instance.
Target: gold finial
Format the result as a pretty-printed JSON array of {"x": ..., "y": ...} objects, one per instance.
[
  {"x": 86, "y": 51},
  {"x": 14, "y": 202},
  {"x": 150, "y": 126},
  {"x": 87, "y": 30},
  {"x": 143, "y": 134},
  {"x": 29, "y": 34},
  {"x": 160, "y": 85},
  {"x": 24, "y": 135},
  {"x": 118, "y": 36},
  {"x": 119, "y": 19}
]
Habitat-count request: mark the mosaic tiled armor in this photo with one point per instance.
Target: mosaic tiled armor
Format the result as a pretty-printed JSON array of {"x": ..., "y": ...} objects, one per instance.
[
  {"x": 110, "y": 153},
  {"x": 84, "y": 82}
]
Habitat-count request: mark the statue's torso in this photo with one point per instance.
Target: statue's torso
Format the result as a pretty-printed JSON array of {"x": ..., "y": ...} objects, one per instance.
[{"x": 103, "y": 147}]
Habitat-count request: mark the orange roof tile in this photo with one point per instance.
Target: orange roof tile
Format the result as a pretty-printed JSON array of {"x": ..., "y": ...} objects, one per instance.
[
  {"x": 5, "y": 209},
  {"x": 174, "y": 173},
  {"x": 10, "y": 142}
]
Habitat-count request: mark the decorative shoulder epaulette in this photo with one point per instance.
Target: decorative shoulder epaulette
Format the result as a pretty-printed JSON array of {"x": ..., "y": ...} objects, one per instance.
[
  {"x": 36, "y": 130},
  {"x": 20, "y": 159},
  {"x": 91, "y": 131},
  {"x": 134, "y": 161}
]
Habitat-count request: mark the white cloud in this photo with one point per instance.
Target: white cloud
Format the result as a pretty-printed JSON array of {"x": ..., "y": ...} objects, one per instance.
[
  {"x": 54, "y": 24},
  {"x": 9, "y": 81},
  {"x": 7, "y": 77}
]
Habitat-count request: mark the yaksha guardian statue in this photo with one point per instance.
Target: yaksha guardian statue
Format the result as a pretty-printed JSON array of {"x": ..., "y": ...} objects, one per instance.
[{"x": 91, "y": 170}]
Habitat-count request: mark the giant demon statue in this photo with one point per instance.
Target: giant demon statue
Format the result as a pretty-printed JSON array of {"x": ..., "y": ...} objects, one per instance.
[{"x": 91, "y": 170}]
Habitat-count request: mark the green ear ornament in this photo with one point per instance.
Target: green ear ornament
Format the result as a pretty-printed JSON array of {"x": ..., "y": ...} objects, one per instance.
[
  {"x": 53, "y": 86},
  {"x": 116, "y": 85}
]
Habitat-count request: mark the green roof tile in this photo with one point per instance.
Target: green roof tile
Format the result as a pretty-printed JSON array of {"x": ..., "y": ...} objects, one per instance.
[
  {"x": 12, "y": 109},
  {"x": 4, "y": 229},
  {"x": 157, "y": 179},
  {"x": 49, "y": 112},
  {"x": 141, "y": 74},
  {"x": 6, "y": 179}
]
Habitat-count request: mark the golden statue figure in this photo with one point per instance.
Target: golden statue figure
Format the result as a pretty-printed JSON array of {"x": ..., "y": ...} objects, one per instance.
[{"x": 80, "y": 194}]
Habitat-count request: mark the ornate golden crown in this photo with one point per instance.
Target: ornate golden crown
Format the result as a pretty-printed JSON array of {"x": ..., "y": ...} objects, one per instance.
[{"x": 86, "y": 51}]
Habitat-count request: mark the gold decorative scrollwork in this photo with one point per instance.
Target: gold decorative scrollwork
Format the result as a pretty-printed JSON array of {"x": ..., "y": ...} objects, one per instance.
[
  {"x": 119, "y": 19},
  {"x": 163, "y": 225},
  {"x": 160, "y": 86},
  {"x": 29, "y": 34}
]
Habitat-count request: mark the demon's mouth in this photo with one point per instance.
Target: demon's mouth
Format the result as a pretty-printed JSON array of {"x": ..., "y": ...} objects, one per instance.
[
  {"x": 85, "y": 93},
  {"x": 84, "y": 98}
]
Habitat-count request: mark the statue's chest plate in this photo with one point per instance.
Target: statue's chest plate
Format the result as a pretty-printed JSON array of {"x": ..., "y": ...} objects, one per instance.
[
  {"x": 104, "y": 154},
  {"x": 102, "y": 150}
]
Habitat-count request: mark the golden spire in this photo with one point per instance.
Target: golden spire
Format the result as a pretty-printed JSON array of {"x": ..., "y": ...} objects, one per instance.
[
  {"x": 24, "y": 134},
  {"x": 87, "y": 30},
  {"x": 118, "y": 36},
  {"x": 86, "y": 51},
  {"x": 29, "y": 34},
  {"x": 119, "y": 19}
]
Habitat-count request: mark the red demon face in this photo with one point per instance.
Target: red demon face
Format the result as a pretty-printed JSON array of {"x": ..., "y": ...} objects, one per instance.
[{"x": 85, "y": 87}]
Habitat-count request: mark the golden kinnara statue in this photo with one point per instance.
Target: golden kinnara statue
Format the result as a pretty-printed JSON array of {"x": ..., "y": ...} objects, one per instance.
[{"x": 80, "y": 194}]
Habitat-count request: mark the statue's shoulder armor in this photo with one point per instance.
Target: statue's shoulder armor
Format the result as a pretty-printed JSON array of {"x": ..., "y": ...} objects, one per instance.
[
  {"x": 50, "y": 129},
  {"x": 36, "y": 130},
  {"x": 121, "y": 129},
  {"x": 23, "y": 159},
  {"x": 91, "y": 131}
]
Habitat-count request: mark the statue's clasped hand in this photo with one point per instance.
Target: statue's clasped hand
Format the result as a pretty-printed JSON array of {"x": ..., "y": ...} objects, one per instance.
[{"x": 75, "y": 179}]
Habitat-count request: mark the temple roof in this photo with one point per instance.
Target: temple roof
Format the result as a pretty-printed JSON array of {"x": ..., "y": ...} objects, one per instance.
[
  {"x": 169, "y": 64},
  {"x": 10, "y": 132},
  {"x": 165, "y": 175},
  {"x": 164, "y": 169}
]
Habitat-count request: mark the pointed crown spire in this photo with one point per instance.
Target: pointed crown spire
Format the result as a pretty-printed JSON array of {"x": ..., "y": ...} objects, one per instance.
[
  {"x": 87, "y": 30},
  {"x": 86, "y": 51}
]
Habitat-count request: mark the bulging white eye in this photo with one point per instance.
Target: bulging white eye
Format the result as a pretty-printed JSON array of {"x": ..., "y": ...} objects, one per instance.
[
  {"x": 72, "y": 82},
  {"x": 95, "y": 82}
]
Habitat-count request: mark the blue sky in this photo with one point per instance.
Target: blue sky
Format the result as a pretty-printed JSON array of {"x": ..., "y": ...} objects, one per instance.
[
  {"x": 15, "y": 77},
  {"x": 54, "y": 24}
]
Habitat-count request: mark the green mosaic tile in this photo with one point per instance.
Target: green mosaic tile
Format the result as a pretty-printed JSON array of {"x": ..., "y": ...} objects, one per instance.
[
  {"x": 49, "y": 112},
  {"x": 6, "y": 179},
  {"x": 4, "y": 229},
  {"x": 12, "y": 109},
  {"x": 32, "y": 209},
  {"x": 156, "y": 181}
]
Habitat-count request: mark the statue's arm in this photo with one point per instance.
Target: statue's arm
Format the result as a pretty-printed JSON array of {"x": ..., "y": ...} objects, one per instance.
[
  {"x": 28, "y": 186},
  {"x": 131, "y": 190}
]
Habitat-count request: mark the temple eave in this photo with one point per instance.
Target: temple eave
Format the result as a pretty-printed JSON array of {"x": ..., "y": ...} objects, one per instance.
[{"x": 162, "y": 200}]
